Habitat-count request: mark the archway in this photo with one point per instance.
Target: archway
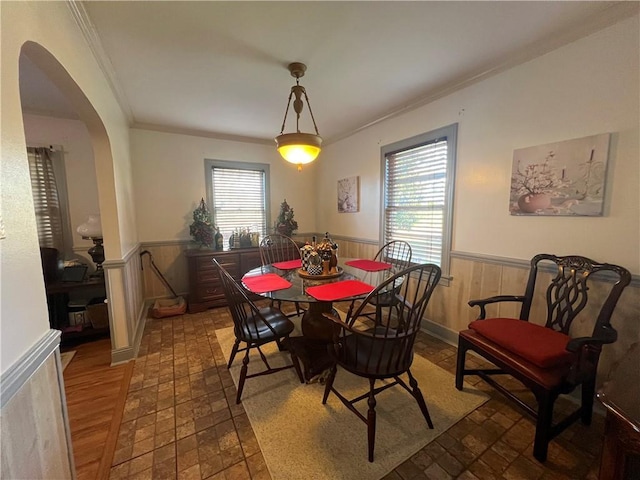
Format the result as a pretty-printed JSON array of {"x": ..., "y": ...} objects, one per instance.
[{"x": 104, "y": 168}]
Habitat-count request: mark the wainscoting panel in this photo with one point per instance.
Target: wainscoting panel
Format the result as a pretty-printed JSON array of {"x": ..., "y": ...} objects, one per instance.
[
  {"x": 35, "y": 442},
  {"x": 473, "y": 276},
  {"x": 170, "y": 260},
  {"x": 126, "y": 294}
]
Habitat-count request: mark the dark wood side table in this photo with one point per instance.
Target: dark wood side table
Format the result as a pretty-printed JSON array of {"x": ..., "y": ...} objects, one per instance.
[
  {"x": 58, "y": 294},
  {"x": 621, "y": 397}
]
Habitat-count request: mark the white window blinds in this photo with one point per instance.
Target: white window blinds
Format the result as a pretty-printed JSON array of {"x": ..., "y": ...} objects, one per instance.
[
  {"x": 418, "y": 192},
  {"x": 46, "y": 199},
  {"x": 239, "y": 199}
]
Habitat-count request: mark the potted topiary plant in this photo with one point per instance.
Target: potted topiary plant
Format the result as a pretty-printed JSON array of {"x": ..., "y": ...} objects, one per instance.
[
  {"x": 285, "y": 224},
  {"x": 202, "y": 229}
]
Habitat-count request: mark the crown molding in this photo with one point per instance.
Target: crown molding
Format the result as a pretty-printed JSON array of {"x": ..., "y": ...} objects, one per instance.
[
  {"x": 82, "y": 19},
  {"x": 610, "y": 16},
  {"x": 202, "y": 133}
]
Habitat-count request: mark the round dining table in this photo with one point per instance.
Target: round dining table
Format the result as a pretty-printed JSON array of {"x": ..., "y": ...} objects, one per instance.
[{"x": 317, "y": 330}]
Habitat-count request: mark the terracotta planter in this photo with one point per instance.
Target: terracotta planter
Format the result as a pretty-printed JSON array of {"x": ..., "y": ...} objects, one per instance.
[{"x": 531, "y": 203}]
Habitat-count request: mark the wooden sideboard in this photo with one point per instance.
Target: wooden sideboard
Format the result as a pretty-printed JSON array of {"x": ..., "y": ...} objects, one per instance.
[{"x": 205, "y": 288}]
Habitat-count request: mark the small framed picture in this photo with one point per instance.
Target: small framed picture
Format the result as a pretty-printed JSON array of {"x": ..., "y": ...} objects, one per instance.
[{"x": 348, "y": 195}]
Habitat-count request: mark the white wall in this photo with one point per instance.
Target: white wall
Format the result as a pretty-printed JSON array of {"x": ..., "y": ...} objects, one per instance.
[
  {"x": 169, "y": 180},
  {"x": 80, "y": 170},
  {"x": 588, "y": 87}
]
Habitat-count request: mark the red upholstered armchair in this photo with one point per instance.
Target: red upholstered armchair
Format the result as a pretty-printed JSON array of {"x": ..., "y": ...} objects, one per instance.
[{"x": 545, "y": 358}]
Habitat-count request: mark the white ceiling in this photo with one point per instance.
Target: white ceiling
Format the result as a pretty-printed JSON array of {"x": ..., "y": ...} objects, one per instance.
[{"x": 219, "y": 68}]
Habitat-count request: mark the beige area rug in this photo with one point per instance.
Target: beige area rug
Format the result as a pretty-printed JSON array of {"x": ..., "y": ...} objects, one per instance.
[
  {"x": 66, "y": 357},
  {"x": 301, "y": 438}
]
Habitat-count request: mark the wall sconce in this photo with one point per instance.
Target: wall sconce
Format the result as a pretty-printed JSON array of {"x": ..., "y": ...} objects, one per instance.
[
  {"x": 298, "y": 148},
  {"x": 92, "y": 230}
]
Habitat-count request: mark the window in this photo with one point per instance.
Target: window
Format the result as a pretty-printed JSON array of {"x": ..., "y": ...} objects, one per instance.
[
  {"x": 418, "y": 179},
  {"x": 238, "y": 195},
  {"x": 49, "y": 191}
]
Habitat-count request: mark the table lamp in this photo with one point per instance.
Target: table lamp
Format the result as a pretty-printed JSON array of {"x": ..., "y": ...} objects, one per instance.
[{"x": 91, "y": 229}]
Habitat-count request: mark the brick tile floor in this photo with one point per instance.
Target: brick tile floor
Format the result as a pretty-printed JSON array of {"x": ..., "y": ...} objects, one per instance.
[{"x": 181, "y": 422}]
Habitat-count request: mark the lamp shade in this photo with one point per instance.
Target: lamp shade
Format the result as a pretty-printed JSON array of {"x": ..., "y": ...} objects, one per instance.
[
  {"x": 299, "y": 148},
  {"x": 92, "y": 227}
]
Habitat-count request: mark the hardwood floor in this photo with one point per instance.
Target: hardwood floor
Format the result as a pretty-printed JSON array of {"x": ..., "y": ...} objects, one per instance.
[{"x": 95, "y": 393}]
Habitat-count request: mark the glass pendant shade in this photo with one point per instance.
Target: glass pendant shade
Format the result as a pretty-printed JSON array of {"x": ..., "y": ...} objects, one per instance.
[{"x": 299, "y": 148}]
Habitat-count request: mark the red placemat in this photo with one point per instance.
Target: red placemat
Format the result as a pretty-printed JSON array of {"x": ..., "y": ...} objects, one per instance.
[
  {"x": 369, "y": 265},
  {"x": 288, "y": 265},
  {"x": 339, "y": 290},
  {"x": 267, "y": 282}
]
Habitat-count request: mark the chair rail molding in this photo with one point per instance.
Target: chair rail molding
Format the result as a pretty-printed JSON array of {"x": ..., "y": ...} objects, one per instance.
[
  {"x": 520, "y": 263},
  {"x": 21, "y": 371}
]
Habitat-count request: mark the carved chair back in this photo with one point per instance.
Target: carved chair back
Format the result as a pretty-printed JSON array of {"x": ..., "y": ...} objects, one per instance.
[{"x": 567, "y": 294}]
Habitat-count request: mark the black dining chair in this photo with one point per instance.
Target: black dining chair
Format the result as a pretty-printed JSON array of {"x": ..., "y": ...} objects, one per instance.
[
  {"x": 276, "y": 248},
  {"x": 397, "y": 253},
  {"x": 254, "y": 327},
  {"x": 386, "y": 350}
]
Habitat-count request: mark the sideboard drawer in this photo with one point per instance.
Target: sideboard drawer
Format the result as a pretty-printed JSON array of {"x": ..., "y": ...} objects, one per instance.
[
  {"x": 205, "y": 288},
  {"x": 207, "y": 293},
  {"x": 211, "y": 274}
]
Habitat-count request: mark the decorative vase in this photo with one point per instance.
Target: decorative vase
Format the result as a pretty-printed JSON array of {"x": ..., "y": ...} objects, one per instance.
[
  {"x": 305, "y": 253},
  {"x": 532, "y": 202},
  {"x": 315, "y": 264}
]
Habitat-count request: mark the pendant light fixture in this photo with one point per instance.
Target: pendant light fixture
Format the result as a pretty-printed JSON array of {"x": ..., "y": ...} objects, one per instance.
[{"x": 298, "y": 148}]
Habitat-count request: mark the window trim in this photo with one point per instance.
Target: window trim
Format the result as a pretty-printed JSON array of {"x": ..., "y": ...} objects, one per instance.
[
  {"x": 209, "y": 164},
  {"x": 451, "y": 133}
]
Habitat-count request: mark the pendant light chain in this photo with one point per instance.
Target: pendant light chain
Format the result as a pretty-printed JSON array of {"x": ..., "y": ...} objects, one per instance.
[
  {"x": 286, "y": 112},
  {"x": 311, "y": 112}
]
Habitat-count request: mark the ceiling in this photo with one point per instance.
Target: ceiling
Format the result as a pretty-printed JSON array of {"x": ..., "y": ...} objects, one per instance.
[{"x": 219, "y": 68}]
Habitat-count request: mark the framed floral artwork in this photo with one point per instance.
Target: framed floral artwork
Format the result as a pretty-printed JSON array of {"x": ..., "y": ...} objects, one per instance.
[
  {"x": 562, "y": 178},
  {"x": 348, "y": 194}
]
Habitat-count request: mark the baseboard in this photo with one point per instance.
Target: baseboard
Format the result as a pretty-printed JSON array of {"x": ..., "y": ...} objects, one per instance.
[
  {"x": 440, "y": 332},
  {"x": 122, "y": 355}
]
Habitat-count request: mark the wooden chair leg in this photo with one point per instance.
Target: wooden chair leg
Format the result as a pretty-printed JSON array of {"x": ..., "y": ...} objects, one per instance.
[
  {"x": 462, "y": 350},
  {"x": 329, "y": 384},
  {"x": 378, "y": 320},
  {"x": 296, "y": 362},
  {"x": 417, "y": 394},
  {"x": 543, "y": 425},
  {"x": 588, "y": 392},
  {"x": 234, "y": 350},
  {"x": 243, "y": 375},
  {"x": 371, "y": 419}
]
